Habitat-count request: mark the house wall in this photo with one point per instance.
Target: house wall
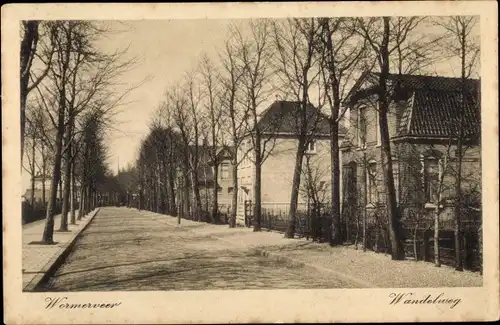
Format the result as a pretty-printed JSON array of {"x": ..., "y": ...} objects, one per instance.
[
  {"x": 412, "y": 158},
  {"x": 407, "y": 165},
  {"x": 408, "y": 177},
  {"x": 277, "y": 173},
  {"x": 224, "y": 194},
  {"x": 278, "y": 169},
  {"x": 394, "y": 115}
]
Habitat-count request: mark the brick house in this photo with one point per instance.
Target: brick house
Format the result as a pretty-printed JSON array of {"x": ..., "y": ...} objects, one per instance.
[
  {"x": 423, "y": 124},
  {"x": 279, "y": 125}
]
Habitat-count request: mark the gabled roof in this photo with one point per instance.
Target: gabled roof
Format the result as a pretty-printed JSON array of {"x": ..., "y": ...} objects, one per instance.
[
  {"x": 434, "y": 104},
  {"x": 205, "y": 170},
  {"x": 282, "y": 117},
  {"x": 434, "y": 113}
]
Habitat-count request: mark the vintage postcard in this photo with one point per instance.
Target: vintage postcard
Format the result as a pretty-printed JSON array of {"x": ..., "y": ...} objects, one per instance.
[{"x": 250, "y": 162}]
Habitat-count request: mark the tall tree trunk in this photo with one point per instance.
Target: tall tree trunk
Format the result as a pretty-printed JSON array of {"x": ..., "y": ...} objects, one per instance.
[
  {"x": 32, "y": 170},
  {"x": 299, "y": 157},
  {"x": 88, "y": 200},
  {"x": 215, "y": 197},
  {"x": 397, "y": 249},
  {"x": 234, "y": 197},
  {"x": 48, "y": 232},
  {"x": 44, "y": 175},
  {"x": 437, "y": 257},
  {"x": 72, "y": 196},
  {"x": 185, "y": 189},
  {"x": 335, "y": 102},
  {"x": 67, "y": 179},
  {"x": 257, "y": 185},
  {"x": 81, "y": 206},
  {"x": 459, "y": 153},
  {"x": 27, "y": 53},
  {"x": 335, "y": 177},
  {"x": 458, "y": 202},
  {"x": 61, "y": 185},
  {"x": 196, "y": 196},
  {"x": 170, "y": 192}
]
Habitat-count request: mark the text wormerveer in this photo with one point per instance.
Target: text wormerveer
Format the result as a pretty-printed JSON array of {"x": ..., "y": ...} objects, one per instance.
[{"x": 61, "y": 303}]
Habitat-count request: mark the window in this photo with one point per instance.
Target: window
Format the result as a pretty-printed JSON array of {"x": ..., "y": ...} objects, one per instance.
[
  {"x": 395, "y": 173},
  {"x": 431, "y": 180},
  {"x": 362, "y": 127},
  {"x": 371, "y": 175},
  {"x": 230, "y": 190},
  {"x": 224, "y": 171},
  {"x": 311, "y": 147}
]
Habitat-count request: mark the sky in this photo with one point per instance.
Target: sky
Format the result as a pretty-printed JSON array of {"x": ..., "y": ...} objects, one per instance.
[{"x": 165, "y": 50}]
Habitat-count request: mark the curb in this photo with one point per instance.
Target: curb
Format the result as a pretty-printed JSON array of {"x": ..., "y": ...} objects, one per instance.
[
  {"x": 358, "y": 283},
  {"x": 55, "y": 261},
  {"x": 347, "y": 278},
  {"x": 281, "y": 258}
]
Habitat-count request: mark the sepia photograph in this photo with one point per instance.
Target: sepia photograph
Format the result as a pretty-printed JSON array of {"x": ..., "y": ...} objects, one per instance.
[{"x": 250, "y": 155}]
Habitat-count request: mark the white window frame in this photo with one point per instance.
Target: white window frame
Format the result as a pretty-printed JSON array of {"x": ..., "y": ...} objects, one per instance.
[
  {"x": 368, "y": 187},
  {"x": 423, "y": 160},
  {"x": 222, "y": 171},
  {"x": 361, "y": 145},
  {"x": 308, "y": 146}
]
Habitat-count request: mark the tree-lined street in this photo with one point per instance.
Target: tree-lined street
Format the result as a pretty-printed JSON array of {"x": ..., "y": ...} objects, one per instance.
[
  {"x": 127, "y": 249},
  {"x": 215, "y": 151},
  {"x": 124, "y": 249}
]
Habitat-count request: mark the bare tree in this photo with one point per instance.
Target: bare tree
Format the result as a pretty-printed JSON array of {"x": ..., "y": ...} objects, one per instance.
[
  {"x": 385, "y": 37},
  {"x": 230, "y": 80},
  {"x": 342, "y": 54},
  {"x": 80, "y": 78},
  {"x": 461, "y": 43},
  {"x": 30, "y": 50},
  {"x": 178, "y": 108},
  {"x": 295, "y": 44},
  {"x": 193, "y": 94},
  {"x": 214, "y": 114},
  {"x": 254, "y": 56},
  {"x": 315, "y": 189}
]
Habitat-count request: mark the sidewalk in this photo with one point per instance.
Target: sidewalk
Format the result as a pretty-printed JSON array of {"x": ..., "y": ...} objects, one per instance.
[
  {"x": 364, "y": 269},
  {"x": 39, "y": 259}
]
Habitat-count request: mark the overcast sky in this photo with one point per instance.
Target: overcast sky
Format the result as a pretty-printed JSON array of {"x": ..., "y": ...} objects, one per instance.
[{"x": 166, "y": 49}]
